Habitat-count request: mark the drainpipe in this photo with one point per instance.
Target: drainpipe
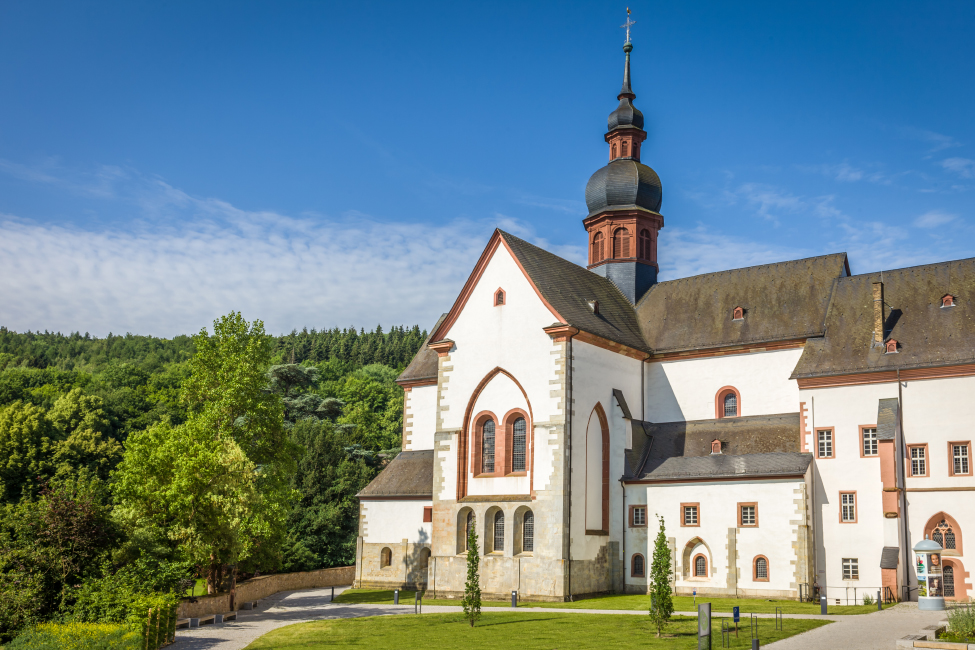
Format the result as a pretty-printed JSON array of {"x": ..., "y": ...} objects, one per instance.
[
  {"x": 903, "y": 484},
  {"x": 568, "y": 448},
  {"x": 623, "y": 539}
]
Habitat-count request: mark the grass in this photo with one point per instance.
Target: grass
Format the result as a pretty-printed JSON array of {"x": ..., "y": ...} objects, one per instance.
[
  {"x": 504, "y": 630},
  {"x": 198, "y": 589},
  {"x": 627, "y": 602}
]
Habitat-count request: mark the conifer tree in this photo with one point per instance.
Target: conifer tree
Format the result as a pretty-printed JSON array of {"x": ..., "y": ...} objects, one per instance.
[
  {"x": 472, "y": 590},
  {"x": 661, "y": 602}
]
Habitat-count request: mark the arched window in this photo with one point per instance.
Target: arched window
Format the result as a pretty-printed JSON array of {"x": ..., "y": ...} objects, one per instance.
[
  {"x": 385, "y": 557},
  {"x": 944, "y": 534},
  {"x": 528, "y": 533},
  {"x": 487, "y": 447},
  {"x": 730, "y": 405},
  {"x": 700, "y": 567},
  {"x": 638, "y": 567},
  {"x": 498, "y": 532},
  {"x": 519, "y": 445},
  {"x": 623, "y": 148},
  {"x": 597, "y": 247},
  {"x": 614, "y": 151},
  {"x": 644, "y": 247},
  {"x": 761, "y": 568},
  {"x": 727, "y": 403},
  {"x": 948, "y": 573},
  {"x": 621, "y": 243}
]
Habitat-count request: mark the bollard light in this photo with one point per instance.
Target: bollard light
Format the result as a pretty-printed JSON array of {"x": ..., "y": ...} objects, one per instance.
[
  {"x": 514, "y": 598},
  {"x": 754, "y": 644},
  {"x": 396, "y": 596},
  {"x": 822, "y": 605}
]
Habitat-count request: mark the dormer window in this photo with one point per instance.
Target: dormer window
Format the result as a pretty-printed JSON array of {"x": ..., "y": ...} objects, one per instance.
[
  {"x": 891, "y": 346},
  {"x": 715, "y": 446},
  {"x": 499, "y": 298},
  {"x": 593, "y": 306},
  {"x": 738, "y": 314},
  {"x": 948, "y": 301}
]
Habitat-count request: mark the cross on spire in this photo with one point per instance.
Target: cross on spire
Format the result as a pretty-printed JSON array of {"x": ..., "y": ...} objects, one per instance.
[{"x": 629, "y": 23}]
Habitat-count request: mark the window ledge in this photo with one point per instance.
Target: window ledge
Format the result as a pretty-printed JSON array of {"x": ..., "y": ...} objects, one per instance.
[
  {"x": 516, "y": 474},
  {"x": 604, "y": 533},
  {"x": 525, "y": 554}
]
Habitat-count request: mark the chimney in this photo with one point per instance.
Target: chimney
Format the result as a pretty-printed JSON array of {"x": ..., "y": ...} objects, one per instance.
[{"x": 878, "y": 313}]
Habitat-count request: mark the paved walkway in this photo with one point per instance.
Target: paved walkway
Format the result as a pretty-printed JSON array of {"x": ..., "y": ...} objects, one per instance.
[{"x": 879, "y": 630}]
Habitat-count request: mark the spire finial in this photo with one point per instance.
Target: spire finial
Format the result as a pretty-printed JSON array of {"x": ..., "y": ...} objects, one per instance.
[{"x": 629, "y": 23}]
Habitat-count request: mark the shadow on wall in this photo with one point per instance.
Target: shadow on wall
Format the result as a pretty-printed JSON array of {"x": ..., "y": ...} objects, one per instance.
[
  {"x": 821, "y": 500},
  {"x": 417, "y": 561},
  {"x": 662, "y": 404}
]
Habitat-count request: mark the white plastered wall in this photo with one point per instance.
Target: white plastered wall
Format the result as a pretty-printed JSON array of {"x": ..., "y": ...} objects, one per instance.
[
  {"x": 718, "y": 512},
  {"x": 686, "y": 389},
  {"x": 421, "y": 417},
  {"x": 595, "y": 373},
  {"x": 510, "y": 337},
  {"x": 390, "y": 522}
]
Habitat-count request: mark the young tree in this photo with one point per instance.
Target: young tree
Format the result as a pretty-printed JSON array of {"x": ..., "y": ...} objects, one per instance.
[
  {"x": 472, "y": 590},
  {"x": 662, "y": 604}
]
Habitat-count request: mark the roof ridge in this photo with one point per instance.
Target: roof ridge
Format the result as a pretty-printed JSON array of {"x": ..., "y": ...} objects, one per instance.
[
  {"x": 916, "y": 266},
  {"x": 749, "y": 268}
]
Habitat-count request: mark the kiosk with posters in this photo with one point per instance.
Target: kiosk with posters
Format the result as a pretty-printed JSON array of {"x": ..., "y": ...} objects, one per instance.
[{"x": 930, "y": 583}]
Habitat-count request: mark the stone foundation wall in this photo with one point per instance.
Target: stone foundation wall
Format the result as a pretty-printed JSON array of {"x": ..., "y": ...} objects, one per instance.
[
  {"x": 535, "y": 579},
  {"x": 408, "y": 568},
  {"x": 264, "y": 586}
]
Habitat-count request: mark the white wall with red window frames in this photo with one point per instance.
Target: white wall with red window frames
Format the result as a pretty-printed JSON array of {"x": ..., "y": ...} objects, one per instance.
[
  {"x": 500, "y": 396},
  {"x": 686, "y": 389}
]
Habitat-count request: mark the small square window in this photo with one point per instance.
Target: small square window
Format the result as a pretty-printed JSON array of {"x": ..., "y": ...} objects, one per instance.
[
  {"x": 851, "y": 568},
  {"x": 639, "y": 515},
  {"x": 690, "y": 516},
  {"x": 748, "y": 517},
  {"x": 427, "y": 514},
  {"x": 919, "y": 460},
  {"x": 960, "y": 459}
]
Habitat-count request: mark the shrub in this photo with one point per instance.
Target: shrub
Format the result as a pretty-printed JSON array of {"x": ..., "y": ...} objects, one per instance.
[
  {"x": 868, "y": 600},
  {"x": 78, "y": 636},
  {"x": 961, "y": 622}
]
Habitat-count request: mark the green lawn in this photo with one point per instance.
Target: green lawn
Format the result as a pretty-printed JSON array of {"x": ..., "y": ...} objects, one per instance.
[
  {"x": 502, "y": 630},
  {"x": 628, "y": 602}
]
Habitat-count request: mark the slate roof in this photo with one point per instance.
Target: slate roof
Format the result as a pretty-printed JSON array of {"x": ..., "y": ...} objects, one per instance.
[
  {"x": 751, "y": 446},
  {"x": 568, "y": 287},
  {"x": 782, "y": 301},
  {"x": 927, "y": 334},
  {"x": 889, "y": 557},
  {"x": 424, "y": 364},
  {"x": 410, "y": 474},
  {"x": 887, "y": 419}
]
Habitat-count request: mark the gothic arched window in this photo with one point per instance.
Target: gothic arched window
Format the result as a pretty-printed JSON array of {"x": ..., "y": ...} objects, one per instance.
[
  {"x": 528, "y": 532},
  {"x": 487, "y": 447},
  {"x": 498, "y": 532},
  {"x": 597, "y": 247},
  {"x": 644, "y": 247},
  {"x": 518, "y": 447},
  {"x": 944, "y": 535}
]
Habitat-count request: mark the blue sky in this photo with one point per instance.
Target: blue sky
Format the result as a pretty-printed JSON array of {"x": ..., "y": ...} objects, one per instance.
[{"x": 317, "y": 164}]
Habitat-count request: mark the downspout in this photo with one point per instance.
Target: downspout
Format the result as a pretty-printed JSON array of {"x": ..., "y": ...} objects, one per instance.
[
  {"x": 623, "y": 538},
  {"x": 903, "y": 485},
  {"x": 568, "y": 447}
]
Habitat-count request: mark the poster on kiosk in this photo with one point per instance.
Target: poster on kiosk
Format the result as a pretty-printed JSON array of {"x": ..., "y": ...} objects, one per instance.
[{"x": 930, "y": 583}]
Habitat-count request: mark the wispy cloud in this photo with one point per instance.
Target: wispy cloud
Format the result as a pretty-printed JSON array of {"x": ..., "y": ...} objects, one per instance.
[
  {"x": 934, "y": 218},
  {"x": 769, "y": 202},
  {"x": 964, "y": 167},
  {"x": 844, "y": 172},
  {"x": 936, "y": 141}
]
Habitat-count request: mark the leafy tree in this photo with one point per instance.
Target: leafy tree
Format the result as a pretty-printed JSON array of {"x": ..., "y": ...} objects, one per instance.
[
  {"x": 85, "y": 445},
  {"x": 662, "y": 604},
  {"x": 472, "y": 588},
  {"x": 25, "y": 449}
]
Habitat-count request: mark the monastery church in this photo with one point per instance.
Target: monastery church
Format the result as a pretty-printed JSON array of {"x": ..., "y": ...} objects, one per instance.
[{"x": 797, "y": 428}]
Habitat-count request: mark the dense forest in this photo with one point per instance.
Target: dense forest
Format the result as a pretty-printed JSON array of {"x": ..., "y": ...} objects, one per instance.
[{"x": 95, "y": 433}]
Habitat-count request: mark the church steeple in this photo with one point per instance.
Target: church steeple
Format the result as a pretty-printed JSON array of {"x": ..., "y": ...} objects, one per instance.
[{"x": 624, "y": 199}]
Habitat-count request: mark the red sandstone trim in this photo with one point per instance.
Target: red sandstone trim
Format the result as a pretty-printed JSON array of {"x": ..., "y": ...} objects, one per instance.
[
  {"x": 442, "y": 348},
  {"x": 754, "y": 504},
  {"x": 768, "y": 569},
  {"x": 888, "y": 376},
  {"x": 933, "y": 523},
  {"x": 856, "y": 507},
  {"x": 730, "y": 349},
  {"x": 927, "y": 461},
  {"x": 683, "y": 519},
  {"x": 951, "y": 457},
  {"x": 860, "y": 429},
  {"x": 719, "y": 402}
]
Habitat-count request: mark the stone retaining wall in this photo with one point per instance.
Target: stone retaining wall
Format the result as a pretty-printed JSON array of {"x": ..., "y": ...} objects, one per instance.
[{"x": 264, "y": 586}]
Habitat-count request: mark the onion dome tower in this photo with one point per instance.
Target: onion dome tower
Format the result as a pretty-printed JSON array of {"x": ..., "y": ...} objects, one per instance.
[{"x": 624, "y": 201}]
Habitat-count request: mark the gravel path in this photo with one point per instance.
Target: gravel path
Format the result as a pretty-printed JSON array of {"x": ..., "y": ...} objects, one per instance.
[{"x": 879, "y": 630}]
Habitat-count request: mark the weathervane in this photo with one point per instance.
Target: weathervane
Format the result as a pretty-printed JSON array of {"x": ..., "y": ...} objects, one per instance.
[{"x": 629, "y": 23}]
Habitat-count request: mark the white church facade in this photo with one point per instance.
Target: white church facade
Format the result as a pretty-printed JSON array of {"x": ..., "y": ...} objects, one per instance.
[{"x": 796, "y": 427}]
